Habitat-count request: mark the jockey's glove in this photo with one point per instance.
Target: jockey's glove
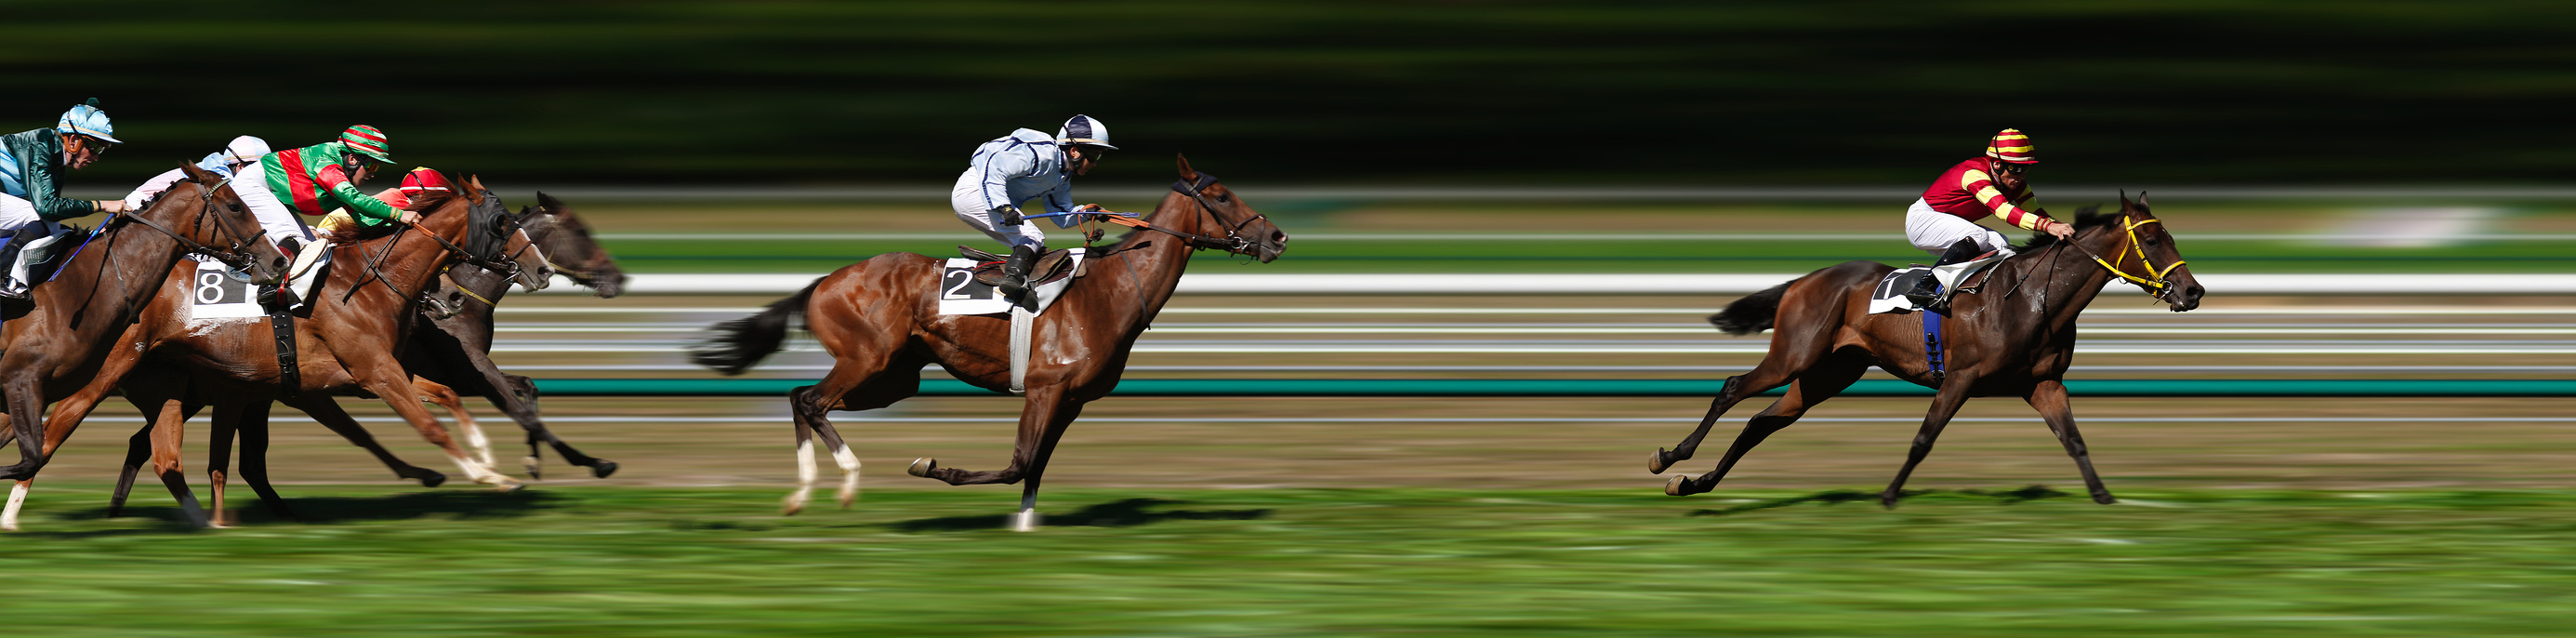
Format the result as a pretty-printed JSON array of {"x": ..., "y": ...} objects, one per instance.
[{"x": 1007, "y": 215}]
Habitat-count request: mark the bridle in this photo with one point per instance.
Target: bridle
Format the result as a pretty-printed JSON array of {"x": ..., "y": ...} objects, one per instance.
[
  {"x": 557, "y": 235},
  {"x": 2160, "y": 285},
  {"x": 507, "y": 265},
  {"x": 236, "y": 256},
  {"x": 1233, "y": 242}
]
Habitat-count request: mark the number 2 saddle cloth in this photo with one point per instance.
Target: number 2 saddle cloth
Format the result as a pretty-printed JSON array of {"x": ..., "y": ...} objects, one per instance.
[{"x": 966, "y": 283}]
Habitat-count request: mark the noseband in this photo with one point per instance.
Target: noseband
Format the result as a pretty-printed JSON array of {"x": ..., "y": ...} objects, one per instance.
[{"x": 2159, "y": 285}]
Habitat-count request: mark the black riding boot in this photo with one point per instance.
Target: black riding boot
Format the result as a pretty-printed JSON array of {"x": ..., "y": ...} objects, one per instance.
[
  {"x": 1015, "y": 273},
  {"x": 1928, "y": 289}
]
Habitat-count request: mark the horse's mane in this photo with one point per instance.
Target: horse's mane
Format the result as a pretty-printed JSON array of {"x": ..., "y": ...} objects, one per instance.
[{"x": 2087, "y": 217}]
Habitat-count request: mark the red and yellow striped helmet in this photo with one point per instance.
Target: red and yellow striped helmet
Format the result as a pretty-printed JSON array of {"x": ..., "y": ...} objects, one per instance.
[{"x": 2012, "y": 146}]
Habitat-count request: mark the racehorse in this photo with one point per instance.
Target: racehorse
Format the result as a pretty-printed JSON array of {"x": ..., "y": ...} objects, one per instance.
[
  {"x": 447, "y": 351},
  {"x": 361, "y": 315},
  {"x": 449, "y": 347},
  {"x": 61, "y": 344},
  {"x": 2014, "y": 336},
  {"x": 880, "y": 321}
]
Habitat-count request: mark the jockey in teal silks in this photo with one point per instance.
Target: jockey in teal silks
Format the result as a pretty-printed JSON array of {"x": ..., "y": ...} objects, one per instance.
[
  {"x": 31, "y": 201},
  {"x": 1027, "y": 165}
]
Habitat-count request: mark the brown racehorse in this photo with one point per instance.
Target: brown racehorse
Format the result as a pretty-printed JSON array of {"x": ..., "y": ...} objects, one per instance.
[
  {"x": 449, "y": 348},
  {"x": 2012, "y": 336},
  {"x": 360, "y": 317},
  {"x": 446, "y": 357},
  {"x": 60, "y": 345},
  {"x": 880, "y": 321}
]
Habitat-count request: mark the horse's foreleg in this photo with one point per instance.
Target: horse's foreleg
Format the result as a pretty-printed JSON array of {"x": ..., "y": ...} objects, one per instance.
[
  {"x": 250, "y": 419},
  {"x": 328, "y": 413},
  {"x": 1945, "y": 404},
  {"x": 219, "y": 458},
  {"x": 388, "y": 381},
  {"x": 446, "y": 397},
  {"x": 1034, "y": 462},
  {"x": 169, "y": 429},
  {"x": 1819, "y": 384},
  {"x": 2049, "y": 398},
  {"x": 138, "y": 452}
]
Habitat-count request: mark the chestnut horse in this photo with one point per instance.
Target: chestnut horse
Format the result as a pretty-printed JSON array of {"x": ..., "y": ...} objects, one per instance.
[
  {"x": 61, "y": 344},
  {"x": 880, "y": 321},
  {"x": 360, "y": 318},
  {"x": 446, "y": 357},
  {"x": 2013, "y": 335}
]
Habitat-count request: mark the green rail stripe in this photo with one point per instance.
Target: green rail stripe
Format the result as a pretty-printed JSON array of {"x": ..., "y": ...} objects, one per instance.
[{"x": 1607, "y": 387}]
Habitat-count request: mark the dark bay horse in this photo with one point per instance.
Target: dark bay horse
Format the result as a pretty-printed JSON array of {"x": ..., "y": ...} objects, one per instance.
[
  {"x": 880, "y": 321},
  {"x": 450, "y": 348},
  {"x": 60, "y": 345},
  {"x": 168, "y": 365},
  {"x": 2013, "y": 336}
]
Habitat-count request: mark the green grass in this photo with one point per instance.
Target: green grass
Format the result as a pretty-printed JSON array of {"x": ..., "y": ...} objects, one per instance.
[{"x": 672, "y": 562}]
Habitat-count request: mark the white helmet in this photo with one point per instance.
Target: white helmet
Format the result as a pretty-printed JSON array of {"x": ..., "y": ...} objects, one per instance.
[
  {"x": 244, "y": 150},
  {"x": 1082, "y": 129}
]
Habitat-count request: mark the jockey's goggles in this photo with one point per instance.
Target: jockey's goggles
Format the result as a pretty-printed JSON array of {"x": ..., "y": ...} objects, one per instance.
[{"x": 2013, "y": 168}]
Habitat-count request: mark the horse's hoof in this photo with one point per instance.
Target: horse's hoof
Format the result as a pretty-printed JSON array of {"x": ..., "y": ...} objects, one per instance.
[
  {"x": 434, "y": 479},
  {"x": 2104, "y": 498},
  {"x": 1655, "y": 463},
  {"x": 1679, "y": 486},
  {"x": 603, "y": 468},
  {"x": 506, "y": 485},
  {"x": 922, "y": 467},
  {"x": 1887, "y": 500}
]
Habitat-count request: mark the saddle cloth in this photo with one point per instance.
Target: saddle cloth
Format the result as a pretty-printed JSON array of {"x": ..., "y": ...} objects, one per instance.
[
  {"x": 963, "y": 292},
  {"x": 213, "y": 294},
  {"x": 1890, "y": 294}
]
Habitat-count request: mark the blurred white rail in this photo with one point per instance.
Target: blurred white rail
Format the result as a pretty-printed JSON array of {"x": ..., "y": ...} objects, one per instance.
[{"x": 2349, "y": 285}]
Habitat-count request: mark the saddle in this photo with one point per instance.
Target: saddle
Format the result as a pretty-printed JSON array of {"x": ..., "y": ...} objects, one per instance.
[{"x": 1054, "y": 266}]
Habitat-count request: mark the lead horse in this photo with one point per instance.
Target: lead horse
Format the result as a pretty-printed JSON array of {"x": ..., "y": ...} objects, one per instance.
[
  {"x": 2013, "y": 337},
  {"x": 880, "y": 321}
]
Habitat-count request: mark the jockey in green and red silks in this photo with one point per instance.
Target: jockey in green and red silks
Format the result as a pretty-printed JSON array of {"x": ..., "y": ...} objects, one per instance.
[{"x": 315, "y": 180}]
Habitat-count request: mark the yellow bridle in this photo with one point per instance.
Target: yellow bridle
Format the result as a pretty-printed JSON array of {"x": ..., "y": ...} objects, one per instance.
[{"x": 2158, "y": 283}]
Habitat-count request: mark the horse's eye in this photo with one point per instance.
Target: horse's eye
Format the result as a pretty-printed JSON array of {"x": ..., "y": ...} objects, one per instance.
[{"x": 1225, "y": 197}]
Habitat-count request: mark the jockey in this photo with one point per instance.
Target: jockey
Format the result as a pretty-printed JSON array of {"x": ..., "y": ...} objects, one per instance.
[
  {"x": 1024, "y": 165},
  {"x": 31, "y": 165},
  {"x": 420, "y": 180},
  {"x": 1944, "y": 220},
  {"x": 314, "y": 180},
  {"x": 242, "y": 150}
]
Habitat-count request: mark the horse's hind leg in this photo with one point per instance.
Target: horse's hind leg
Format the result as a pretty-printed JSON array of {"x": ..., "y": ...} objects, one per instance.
[
  {"x": 1792, "y": 353},
  {"x": 1820, "y": 383},
  {"x": 251, "y": 421},
  {"x": 138, "y": 451},
  {"x": 167, "y": 433},
  {"x": 328, "y": 413},
  {"x": 850, "y": 386},
  {"x": 446, "y": 397},
  {"x": 1944, "y": 405},
  {"x": 2049, "y": 398}
]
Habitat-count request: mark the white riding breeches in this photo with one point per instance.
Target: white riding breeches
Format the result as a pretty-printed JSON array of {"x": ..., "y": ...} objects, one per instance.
[
  {"x": 968, "y": 199},
  {"x": 16, "y": 216},
  {"x": 275, "y": 219},
  {"x": 1935, "y": 231}
]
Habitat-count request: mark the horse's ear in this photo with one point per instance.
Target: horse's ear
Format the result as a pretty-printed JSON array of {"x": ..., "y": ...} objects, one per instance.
[
  {"x": 474, "y": 188},
  {"x": 198, "y": 175},
  {"x": 2125, "y": 205},
  {"x": 2142, "y": 200},
  {"x": 1187, "y": 174},
  {"x": 548, "y": 203}
]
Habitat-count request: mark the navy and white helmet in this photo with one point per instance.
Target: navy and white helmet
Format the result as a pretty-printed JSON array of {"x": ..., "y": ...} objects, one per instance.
[{"x": 1082, "y": 129}]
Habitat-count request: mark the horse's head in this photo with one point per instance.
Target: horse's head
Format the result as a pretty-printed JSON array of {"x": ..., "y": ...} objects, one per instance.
[
  {"x": 568, "y": 245},
  {"x": 2153, "y": 246},
  {"x": 210, "y": 214},
  {"x": 496, "y": 240},
  {"x": 1248, "y": 232}
]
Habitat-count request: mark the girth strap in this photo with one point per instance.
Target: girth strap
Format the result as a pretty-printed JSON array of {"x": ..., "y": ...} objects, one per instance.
[
  {"x": 1932, "y": 345},
  {"x": 282, "y": 322}
]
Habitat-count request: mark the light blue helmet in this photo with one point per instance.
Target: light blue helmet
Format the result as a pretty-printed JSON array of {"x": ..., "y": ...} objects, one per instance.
[
  {"x": 88, "y": 122},
  {"x": 86, "y": 119}
]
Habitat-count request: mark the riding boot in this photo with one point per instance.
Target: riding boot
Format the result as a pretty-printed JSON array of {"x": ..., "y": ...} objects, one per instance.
[
  {"x": 14, "y": 289},
  {"x": 1927, "y": 291},
  {"x": 1015, "y": 273}
]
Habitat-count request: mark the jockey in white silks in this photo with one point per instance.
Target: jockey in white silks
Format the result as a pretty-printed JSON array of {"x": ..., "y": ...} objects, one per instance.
[
  {"x": 1028, "y": 165},
  {"x": 224, "y": 163},
  {"x": 31, "y": 201}
]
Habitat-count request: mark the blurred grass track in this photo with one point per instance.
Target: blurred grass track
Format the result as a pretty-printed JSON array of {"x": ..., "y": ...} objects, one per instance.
[{"x": 685, "y": 562}]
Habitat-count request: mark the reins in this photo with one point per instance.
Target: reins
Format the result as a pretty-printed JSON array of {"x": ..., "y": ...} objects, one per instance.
[{"x": 1233, "y": 241}]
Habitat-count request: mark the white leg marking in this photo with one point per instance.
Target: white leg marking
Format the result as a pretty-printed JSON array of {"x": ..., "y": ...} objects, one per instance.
[
  {"x": 805, "y": 472},
  {"x": 483, "y": 474},
  {"x": 849, "y": 475},
  {"x": 1025, "y": 521},
  {"x": 17, "y": 499}
]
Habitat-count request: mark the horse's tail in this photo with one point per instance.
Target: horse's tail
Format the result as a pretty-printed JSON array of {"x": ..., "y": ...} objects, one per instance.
[
  {"x": 734, "y": 345},
  {"x": 1753, "y": 313}
]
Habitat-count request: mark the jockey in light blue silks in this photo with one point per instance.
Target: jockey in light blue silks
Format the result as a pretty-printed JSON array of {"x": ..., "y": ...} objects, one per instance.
[
  {"x": 225, "y": 163},
  {"x": 1022, "y": 166},
  {"x": 31, "y": 201}
]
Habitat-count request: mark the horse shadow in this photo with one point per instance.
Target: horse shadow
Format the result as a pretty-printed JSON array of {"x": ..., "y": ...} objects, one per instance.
[
  {"x": 1120, "y": 513},
  {"x": 1837, "y": 497},
  {"x": 327, "y": 510}
]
